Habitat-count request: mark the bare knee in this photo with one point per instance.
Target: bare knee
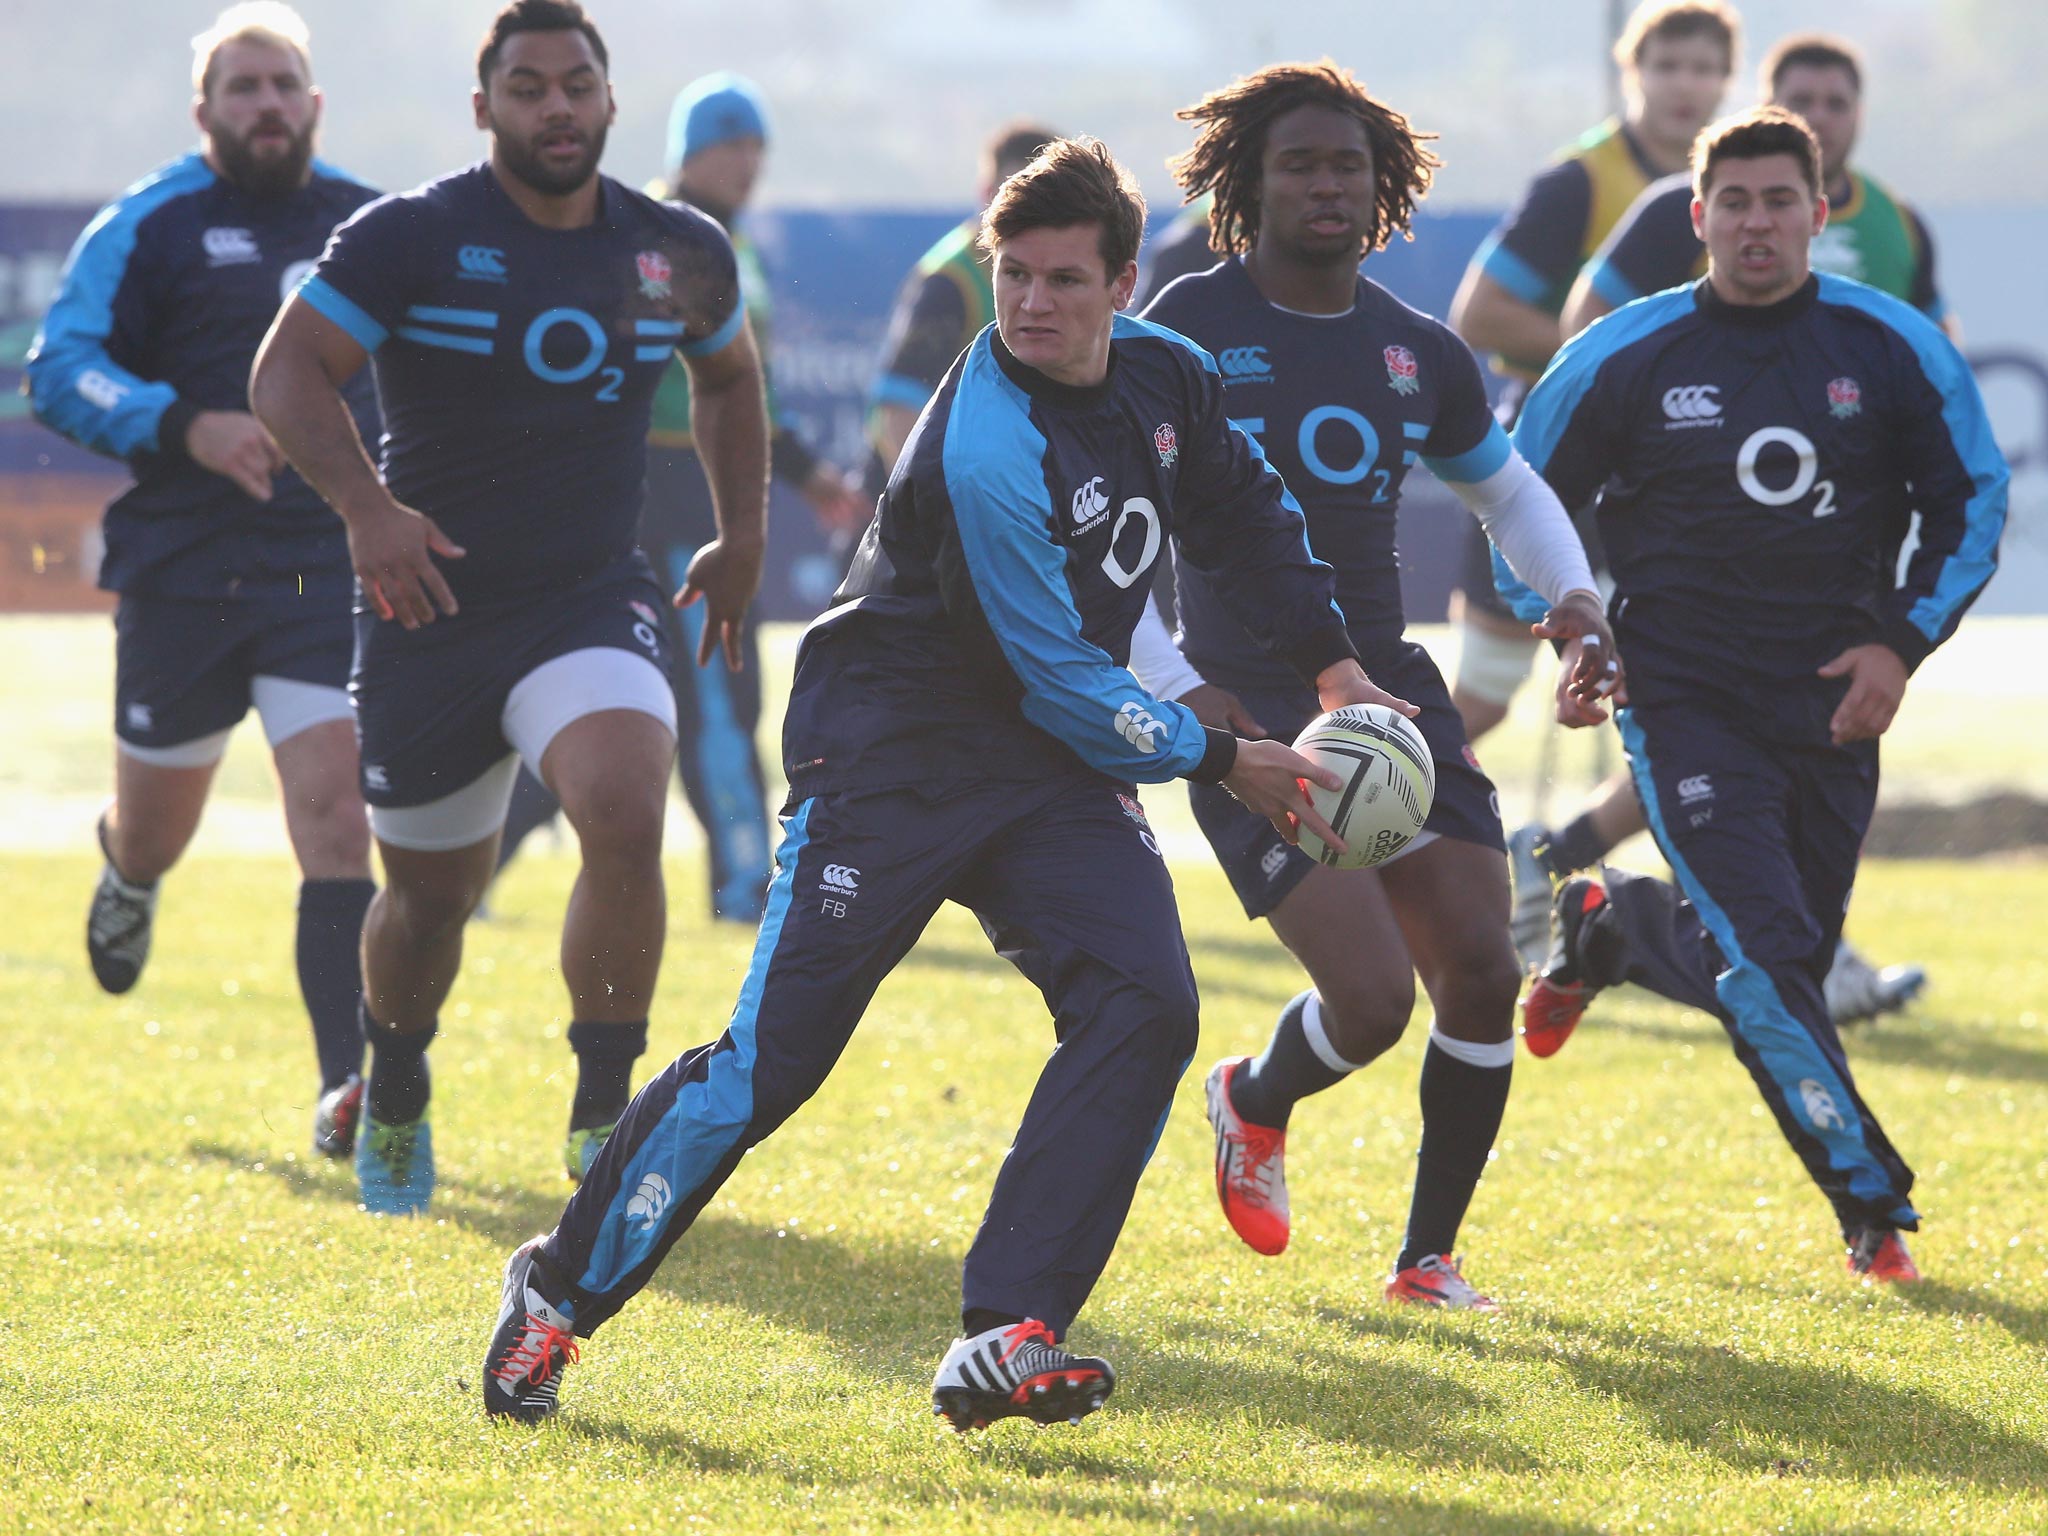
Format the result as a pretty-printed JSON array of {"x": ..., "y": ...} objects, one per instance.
[
  {"x": 331, "y": 836},
  {"x": 1366, "y": 1016},
  {"x": 1473, "y": 989},
  {"x": 427, "y": 911},
  {"x": 618, "y": 820}
]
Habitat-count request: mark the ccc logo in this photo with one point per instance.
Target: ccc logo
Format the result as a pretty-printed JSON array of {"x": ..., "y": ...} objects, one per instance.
[
  {"x": 1693, "y": 402},
  {"x": 481, "y": 261},
  {"x": 841, "y": 877},
  {"x": 1238, "y": 361}
]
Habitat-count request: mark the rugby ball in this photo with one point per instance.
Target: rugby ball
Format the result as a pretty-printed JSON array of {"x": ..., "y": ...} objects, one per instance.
[{"x": 1388, "y": 783}]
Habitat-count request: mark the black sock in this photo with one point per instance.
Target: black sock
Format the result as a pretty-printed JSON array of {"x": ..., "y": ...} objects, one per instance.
[
  {"x": 1575, "y": 846},
  {"x": 330, "y": 955},
  {"x": 605, "y": 1054},
  {"x": 1461, "y": 1108},
  {"x": 1265, "y": 1089},
  {"x": 974, "y": 1320},
  {"x": 399, "y": 1082}
]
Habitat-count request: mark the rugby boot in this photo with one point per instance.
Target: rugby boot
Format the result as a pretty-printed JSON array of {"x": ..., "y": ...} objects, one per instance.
[
  {"x": 1017, "y": 1371},
  {"x": 336, "y": 1116},
  {"x": 1879, "y": 1254},
  {"x": 395, "y": 1166},
  {"x": 1251, "y": 1166},
  {"x": 1561, "y": 990},
  {"x": 118, "y": 924},
  {"x": 1435, "y": 1280},
  {"x": 534, "y": 1341}
]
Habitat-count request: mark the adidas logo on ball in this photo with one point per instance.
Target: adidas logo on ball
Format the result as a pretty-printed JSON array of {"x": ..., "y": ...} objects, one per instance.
[{"x": 1388, "y": 783}]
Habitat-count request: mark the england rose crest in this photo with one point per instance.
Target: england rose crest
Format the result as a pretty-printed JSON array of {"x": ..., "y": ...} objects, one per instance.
[
  {"x": 654, "y": 274},
  {"x": 1845, "y": 397},
  {"x": 1401, "y": 370},
  {"x": 1168, "y": 446}
]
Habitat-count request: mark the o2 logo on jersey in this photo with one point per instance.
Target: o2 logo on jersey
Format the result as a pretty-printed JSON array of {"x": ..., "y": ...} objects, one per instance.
[
  {"x": 542, "y": 337},
  {"x": 1807, "y": 467},
  {"x": 1305, "y": 444},
  {"x": 1126, "y": 576}
]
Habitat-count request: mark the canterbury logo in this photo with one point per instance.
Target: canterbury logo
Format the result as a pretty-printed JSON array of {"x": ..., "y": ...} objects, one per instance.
[
  {"x": 98, "y": 389},
  {"x": 841, "y": 877},
  {"x": 1243, "y": 362},
  {"x": 1820, "y": 1106},
  {"x": 1136, "y": 725},
  {"x": 481, "y": 261},
  {"x": 226, "y": 246},
  {"x": 649, "y": 1200},
  {"x": 1693, "y": 402},
  {"x": 1698, "y": 787},
  {"x": 1090, "y": 501}
]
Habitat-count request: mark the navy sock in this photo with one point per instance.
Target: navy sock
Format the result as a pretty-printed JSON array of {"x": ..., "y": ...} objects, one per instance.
[
  {"x": 605, "y": 1054},
  {"x": 330, "y": 955},
  {"x": 1575, "y": 846},
  {"x": 974, "y": 1320},
  {"x": 1462, "y": 1104},
  {"x": 400, "y": 1084},
  {"x": 1266, "y": 1088}
]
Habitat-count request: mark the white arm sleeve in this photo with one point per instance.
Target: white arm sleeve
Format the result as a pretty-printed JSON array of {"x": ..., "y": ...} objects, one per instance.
[
  {"x": 1156, "y": 661},
  {"x": 1530, "y": 527}
]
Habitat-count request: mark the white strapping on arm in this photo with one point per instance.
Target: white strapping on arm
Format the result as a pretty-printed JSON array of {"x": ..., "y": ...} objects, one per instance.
[
  {"x": 1524, "y": 518},
  {"x": 1156, "y": 661}
]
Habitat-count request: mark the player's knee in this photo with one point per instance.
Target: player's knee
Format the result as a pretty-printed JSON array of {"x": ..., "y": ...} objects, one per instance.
[
  {"x": 618, "y": 819},
  {"x": 331, "y": 837},
  {"x": 426, "y": 912},
  {"x": 1477, "y": 981},
  {"x": 1364, "y": 1016},
  {"x": 1178, "y": 1019}
]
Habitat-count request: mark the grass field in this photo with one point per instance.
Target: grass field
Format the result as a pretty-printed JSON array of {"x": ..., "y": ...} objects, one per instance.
[{"x": 201, "y": 1333}]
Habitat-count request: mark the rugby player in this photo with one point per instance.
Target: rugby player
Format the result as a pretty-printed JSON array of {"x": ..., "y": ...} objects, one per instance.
[
  {"x": 944, "y": 303},
  {"x": 1347, "y": 388},
  {"x": 1676, "y": 58},
  {"x": 1870, "y": 236},
  {"x": 1763, "y": 437},
  {"x": 520, "y": 314},
  {"x": 962, "y": 727},
  {"x": 233, "y": 577}
]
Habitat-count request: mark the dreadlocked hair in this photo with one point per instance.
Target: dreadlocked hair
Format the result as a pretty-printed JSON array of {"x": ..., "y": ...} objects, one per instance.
[{"x": 1230, "y": 144}]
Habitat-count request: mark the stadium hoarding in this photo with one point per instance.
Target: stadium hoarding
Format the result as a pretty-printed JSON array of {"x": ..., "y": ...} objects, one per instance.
[{"x": 836, "y": 275}]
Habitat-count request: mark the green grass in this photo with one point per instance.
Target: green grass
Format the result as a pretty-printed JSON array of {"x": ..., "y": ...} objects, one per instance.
[{"x": 200, "y": 1332}]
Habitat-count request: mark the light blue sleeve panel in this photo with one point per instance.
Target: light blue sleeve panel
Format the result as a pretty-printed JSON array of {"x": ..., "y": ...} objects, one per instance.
[
  {"x": 1004, "y": 516},
  {"x": 1553, "y": 408},
  {"x": 344, "y": 311},
  {"x": 1959, "y": 477},
  {"x": 1522, "y": 600},
  {"x": 74, "y": 384},
  {"x": 1475, "y": 463}
]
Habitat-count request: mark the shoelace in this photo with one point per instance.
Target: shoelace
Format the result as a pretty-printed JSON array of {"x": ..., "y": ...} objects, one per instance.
[
  {"x": 534, "y": 1358},
  {"x": 118, "y": 917},
  {"x": 1257, "y": 1149},
  {"x": 396, "y": 1145},
  {"x": 1449, "y": 1273},
  {"x": 1024, "y": 1333}
]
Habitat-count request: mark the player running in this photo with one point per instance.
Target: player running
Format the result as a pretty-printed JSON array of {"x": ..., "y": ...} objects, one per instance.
[
  {"x": 233, "y": 577},
  {"x": 520, "y": 314},
  {"x": 1870, "y": 236},
  {"x": 1676, "y": 58},
  {"x": 1346, "y": 388},
  {"x": 947, "y": 300},
  {"x": 962, "y": 727},
  {"x": 1763, "y": 437}
]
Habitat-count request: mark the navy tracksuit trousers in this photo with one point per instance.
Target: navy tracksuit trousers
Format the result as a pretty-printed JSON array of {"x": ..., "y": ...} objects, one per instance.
[
  {"x": 1069, "y": 884},
  {"x": 1763, "y": 839}
]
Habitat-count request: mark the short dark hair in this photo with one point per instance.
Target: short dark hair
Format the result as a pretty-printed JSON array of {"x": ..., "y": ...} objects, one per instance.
[
  {"x": 1228, "y": 157},
  {"x": 1068, "y": 182},
  {"x": 1812, "y": 50},
  {"x": 1674, "y": 20},
  {"x": 536, "y": 16},
  {"x": 1751, "y": 136},
  {"x": 1012, "y": 147}
]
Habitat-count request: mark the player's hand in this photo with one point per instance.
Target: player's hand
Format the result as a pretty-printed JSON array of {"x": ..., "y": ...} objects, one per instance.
[
  {"x": 1223, "y": 709},
  {"x": 1877, "y": 682},
  {"x": 392, "y": 548},
  {"x": 234, "y": 444},
  {"x": 835, "y": 498},
  {"x": 1590, "y": 668},
  {"x": 1268, "y": 778},
  {"x": 1345, "y": 682},
  {"x": 725, "y": 574}
]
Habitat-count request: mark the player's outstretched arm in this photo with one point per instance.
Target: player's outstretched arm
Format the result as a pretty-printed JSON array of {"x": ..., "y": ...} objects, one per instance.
[
  {"x": 729, "y": 412},
  {"x": 1491, "y": 319},
  {"x": 295, "y": 391}
]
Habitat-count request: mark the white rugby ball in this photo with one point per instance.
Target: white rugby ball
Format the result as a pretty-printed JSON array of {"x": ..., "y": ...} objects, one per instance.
[{"x": 1388, "y": 783}]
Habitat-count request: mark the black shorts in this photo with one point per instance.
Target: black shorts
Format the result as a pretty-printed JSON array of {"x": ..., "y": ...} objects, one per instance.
[
  {"x": 430, "y": 702},
  {"x": 184, "y": 667},
  {"x": 1263, "y": 866}
]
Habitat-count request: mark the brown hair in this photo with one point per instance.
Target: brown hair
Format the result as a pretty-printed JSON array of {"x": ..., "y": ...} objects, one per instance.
[
  {"x": 1811, "y": 50},
  {"x": 1230, "y": 146},
  {"x": 1676, "y": 19},
  {"x": 1012, "y": 147},
  {"x": 1751, "y": 136},
  {"x": 1068, "y": 182}
]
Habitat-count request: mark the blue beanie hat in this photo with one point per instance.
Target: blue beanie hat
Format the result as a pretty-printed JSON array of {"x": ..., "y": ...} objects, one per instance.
[{"x": 713, "y": 110}]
